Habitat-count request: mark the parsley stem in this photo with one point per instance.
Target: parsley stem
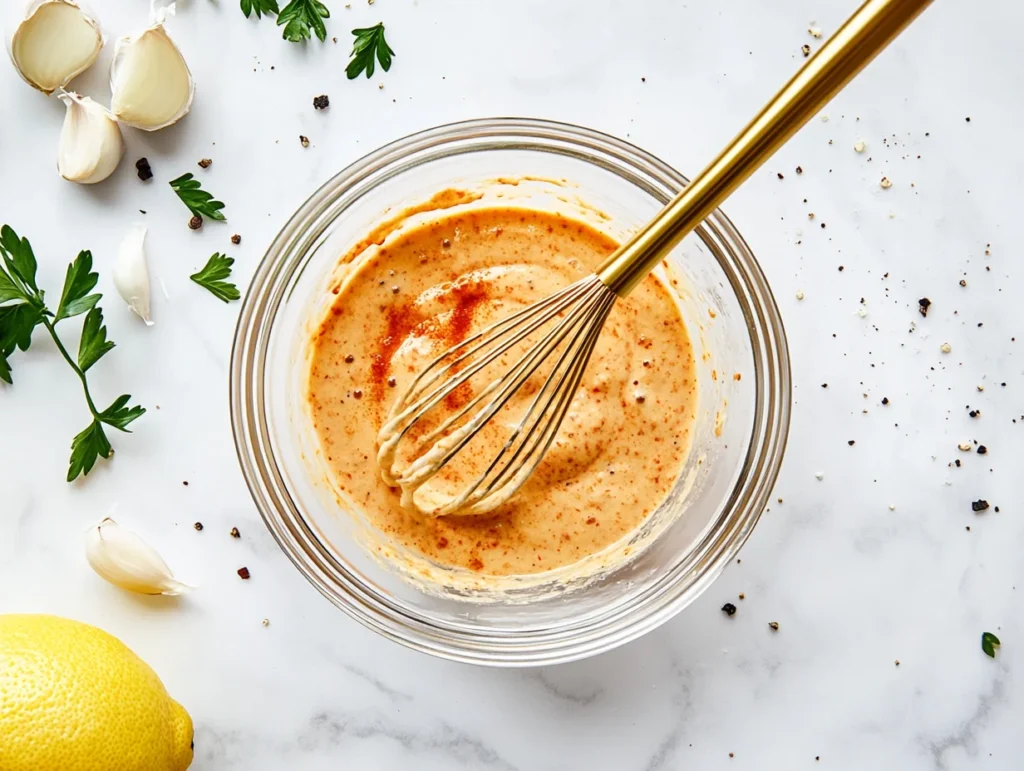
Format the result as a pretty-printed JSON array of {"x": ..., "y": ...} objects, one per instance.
[{"x": 74, "y": 366}]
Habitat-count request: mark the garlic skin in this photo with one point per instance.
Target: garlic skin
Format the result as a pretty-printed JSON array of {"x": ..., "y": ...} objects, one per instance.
[
  {"x": 152, "y": 86},
  {"x": 131, "y": 273},
  {"x": 91, "y": 145},
  {"x": 54, "y": 41},
  {"x": 125, "y": 560}
]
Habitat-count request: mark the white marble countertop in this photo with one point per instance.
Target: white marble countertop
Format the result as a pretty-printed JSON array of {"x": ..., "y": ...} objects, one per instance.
[{"x": 871, "y": 564}]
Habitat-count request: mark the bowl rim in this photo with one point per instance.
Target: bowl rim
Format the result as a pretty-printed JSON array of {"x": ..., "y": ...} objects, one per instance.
[{"x": 666, "y": 597}]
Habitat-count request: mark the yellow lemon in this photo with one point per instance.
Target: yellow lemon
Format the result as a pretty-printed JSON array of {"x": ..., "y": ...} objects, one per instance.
[{"x": 74, "y": 698}]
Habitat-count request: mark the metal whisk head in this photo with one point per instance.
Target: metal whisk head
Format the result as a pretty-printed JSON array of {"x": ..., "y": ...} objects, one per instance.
[{"x": 424, "y": 432}]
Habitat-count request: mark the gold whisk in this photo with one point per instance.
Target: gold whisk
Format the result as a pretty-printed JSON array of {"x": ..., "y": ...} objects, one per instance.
[{"x": 577, "y": 313}]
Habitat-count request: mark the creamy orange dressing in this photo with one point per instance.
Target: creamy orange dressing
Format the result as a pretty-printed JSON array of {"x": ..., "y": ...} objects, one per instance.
[{"x": 622, "y": 445}]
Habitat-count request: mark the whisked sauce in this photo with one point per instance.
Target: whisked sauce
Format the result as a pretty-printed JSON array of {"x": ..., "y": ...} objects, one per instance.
[{"x": 623, "y": 442}]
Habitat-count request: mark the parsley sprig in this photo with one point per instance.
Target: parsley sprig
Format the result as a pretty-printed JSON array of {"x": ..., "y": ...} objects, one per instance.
[
  {"x": 198, "y": 201},
  {"x": 299, "y": 17},
  {"x": 212, "y": 276},
  {"x": 23, "y": 308},
  {"x": 369, "y": 43},
  {"x": 260, "y": 7}
]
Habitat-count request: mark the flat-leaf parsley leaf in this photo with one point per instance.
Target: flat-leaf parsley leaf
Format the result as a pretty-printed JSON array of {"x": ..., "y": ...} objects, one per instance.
[
  {"x": 989, "y": 643},
  {"x": 299, "y": 16},
  {"x": 94, "y": 344},
  {"x": 369, "y": 43},
  {"x": 198, "y": 201},
  {"x": 78, "y": 282},
  {"x": 260, "y": 7},
  {"x": 212, "y": 276}
]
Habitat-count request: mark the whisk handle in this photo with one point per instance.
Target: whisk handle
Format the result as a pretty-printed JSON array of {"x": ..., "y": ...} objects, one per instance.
[{"x": 875, "y": 24}]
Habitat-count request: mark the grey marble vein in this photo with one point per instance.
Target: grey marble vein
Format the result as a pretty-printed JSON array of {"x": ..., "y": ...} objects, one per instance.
[{"x": 965, "y": 736}]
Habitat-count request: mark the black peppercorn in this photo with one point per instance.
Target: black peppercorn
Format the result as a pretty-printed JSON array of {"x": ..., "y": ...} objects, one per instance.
[
  {"x": 979, "y": 505},
  {"x": 143, "y": 168},
  {"x": 196, "y": 222},
  {"x": 321, "y": 102},
  {"x": 729, "y": 609}
]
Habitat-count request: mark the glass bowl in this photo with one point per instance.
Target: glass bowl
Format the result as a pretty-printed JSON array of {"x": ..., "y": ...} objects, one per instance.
[{"x": 738, "y": 440}]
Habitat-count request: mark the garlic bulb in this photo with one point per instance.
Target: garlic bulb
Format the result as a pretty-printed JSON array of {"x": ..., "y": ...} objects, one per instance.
[
  {"x": 125, "y": 560},
  {"x": 151, "y": 84},
  {"x": 91, "y": 145},
  {"x": 54, "y": 41},
  {"x": 131, "y": 274}
]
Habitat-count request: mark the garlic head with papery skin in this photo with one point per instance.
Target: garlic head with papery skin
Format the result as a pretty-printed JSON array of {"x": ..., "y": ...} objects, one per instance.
[
  {"x": 152, "y": 86},
  {"x": 125, "y": 560},
  {"x": 91, "y": 145},
  {"x": 54, "y": 41},
  {"x": 131, "y": 273}
]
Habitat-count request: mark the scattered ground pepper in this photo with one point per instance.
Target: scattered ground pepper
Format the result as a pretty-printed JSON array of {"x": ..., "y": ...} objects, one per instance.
[
  {"x": 923, "y": 305},
  {"x": 885, "y": 400},
  {"x": 979, "y": 505},
  {"x": 184, "y": 482},
  {"x": 806, "y": 49},
  {"x": 982, "y": 449},
  {"x": 303, "y": 140},
  {"x": 729, "y": 609},
  {"x": 205, "y": 163},
  {"x": 235, "y": 533},
  {"x": 236, "y": 239},
  {"x": 196, "y": 222},
  {"x": 773, "y": 625},
  {"x": 198, "y": 526},
  {"x": 143, "y": 168},
  {"x": 243, "y": 573},
  {"x": 321, "y": 102}
]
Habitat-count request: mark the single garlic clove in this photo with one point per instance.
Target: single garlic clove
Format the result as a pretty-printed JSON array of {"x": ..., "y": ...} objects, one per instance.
[
  {"x": 131, "y": 273},
  {"x": 151, "y": 84},
  {"x": 125, "y": 560},
  {"x": 53, "y": 41},
  {"x": 91, "y": 145}
]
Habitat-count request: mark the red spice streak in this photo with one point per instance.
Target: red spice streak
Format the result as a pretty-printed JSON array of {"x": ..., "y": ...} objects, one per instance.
[
  {"x": 406, "y": 319},
  {"x": 401, "y": 321}
]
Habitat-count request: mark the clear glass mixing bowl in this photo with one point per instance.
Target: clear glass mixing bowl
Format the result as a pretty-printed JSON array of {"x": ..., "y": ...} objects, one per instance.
[{"x": 738, "y": 441}]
